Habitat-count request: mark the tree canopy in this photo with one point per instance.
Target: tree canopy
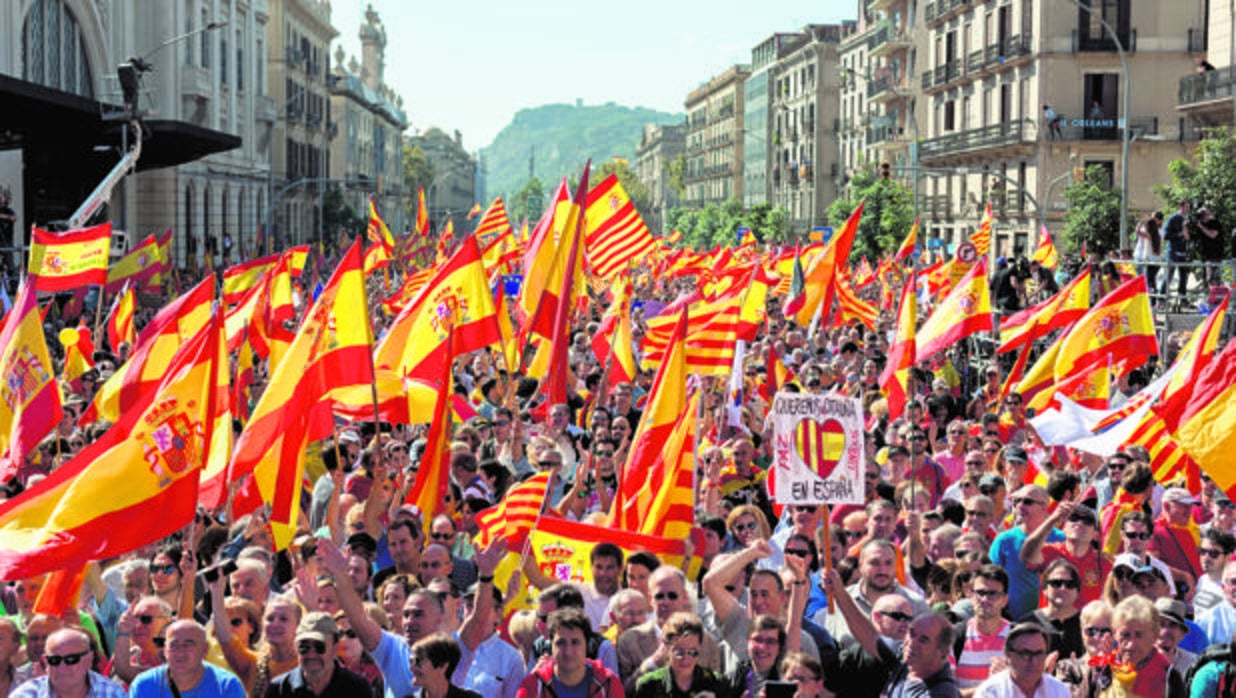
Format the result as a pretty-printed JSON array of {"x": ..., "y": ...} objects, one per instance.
[
  {"x": 716, "y": 225},
  {"x": 1207, "y": 180},
  {"x": 1094, "y": 213},
  {"x": 887, "y": 215}
]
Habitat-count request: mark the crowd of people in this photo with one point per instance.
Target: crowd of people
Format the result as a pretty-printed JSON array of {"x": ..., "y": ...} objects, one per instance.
[{"x": 981, "y": 563}]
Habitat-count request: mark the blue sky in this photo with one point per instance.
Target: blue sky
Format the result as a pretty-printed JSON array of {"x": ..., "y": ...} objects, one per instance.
[{"x": 471, "y": 64}]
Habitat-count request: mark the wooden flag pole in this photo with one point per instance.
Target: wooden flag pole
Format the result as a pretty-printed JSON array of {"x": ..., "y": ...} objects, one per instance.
[{"x": 828, "y": 553}]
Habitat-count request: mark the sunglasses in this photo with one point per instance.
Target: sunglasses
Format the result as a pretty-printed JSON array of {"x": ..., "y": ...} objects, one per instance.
[
  {"x": 1027, "y": 501},
  {"x": 349, "y": 633},
  {"x": 987, "y": 593},
  {"x": 1210, "y": 552},
  {"x": 1145, "y": 535},
  {"x": 896, "y": 616},
  {"x": 163, "y": 569},
  {"x": 67, "y": 659},
  {"x": 853, "y": 535},
  {"x": 1063, "y": 584},
  {"x": 314, "y": 646},
  {"x": 798, "y": 552},
  {"x": 975, "y": 463},
  {"x": 744, "y": 527},
  {"x": 1028, "y": 654},
  {"x": 1097, "y": 631},
  {"x": 147, "y": 619},
  {"x": 665, "y": 595},
  {"x": 680, "y": 654},
  {"x": 604, "y": 454},
  {"x": 441, "y": 536},
  {"x": 1081, "y": 518}
]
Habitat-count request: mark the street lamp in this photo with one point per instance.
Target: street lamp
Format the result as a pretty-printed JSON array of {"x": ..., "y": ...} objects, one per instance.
[
  {"x": 913, "y": 122},
  {"x": 1124, "y": 107}
]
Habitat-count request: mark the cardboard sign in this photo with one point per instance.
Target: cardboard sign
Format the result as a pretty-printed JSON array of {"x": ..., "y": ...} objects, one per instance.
[{"x": 818, "y": 454}]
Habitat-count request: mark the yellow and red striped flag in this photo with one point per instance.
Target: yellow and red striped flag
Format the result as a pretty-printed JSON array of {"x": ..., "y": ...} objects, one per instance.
[
  {"x": 136, "y": 268},
  {"x": 514, "y": 516},
  {"x": 852, "y": 307},
  {"x": 819, "y": 281},
  {"x": 474, "y": 211},
  {"x": 674, "y": 237},
  {"x": 331, "y": 350},
  {"x": 902, "y": 354},
  {"x": 1045, "y": 253},
  {"x": 613, "y": 338},
  {"x": 120, "y": 328},
  {"x": 494, "y": 223},
  {"x": 70, "y": 260},
  {"x": 422, "y": 213},
  {"x": 429, "y": 490},
  {"x": 616, "y": 232},
  {"x": 712, "y": 332},
  {"x": 981, "y": 239},
  {"x": 31, "y": 405},
  {"x": 134, "y": 485},
  {"x": 966, "y": 310}
]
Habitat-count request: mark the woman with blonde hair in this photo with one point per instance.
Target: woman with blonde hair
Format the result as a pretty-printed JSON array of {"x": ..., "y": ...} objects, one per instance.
[
  {"x": 275, "y": 655},
  {"x": 746, "y": 523}
]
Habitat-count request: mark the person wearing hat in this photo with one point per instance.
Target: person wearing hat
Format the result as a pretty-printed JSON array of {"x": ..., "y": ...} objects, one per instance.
[
  {"x": 317, "y": 673},
  {"x": 1173, "y": 627},
  {"x": 1135, "y": 530},
  {"x": 1176, "y": 537},
  {"x": 1080, "y": 525}
]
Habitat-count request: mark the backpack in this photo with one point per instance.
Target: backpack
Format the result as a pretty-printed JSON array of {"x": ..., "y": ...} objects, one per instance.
[{"x": 1217, "y": 653}]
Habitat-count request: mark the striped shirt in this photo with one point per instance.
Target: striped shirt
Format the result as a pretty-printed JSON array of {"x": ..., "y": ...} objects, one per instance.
[{"x": 973, "y": 667}]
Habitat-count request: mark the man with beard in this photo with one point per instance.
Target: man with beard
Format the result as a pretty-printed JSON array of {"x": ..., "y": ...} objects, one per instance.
[
  {"x": 877, "y": 578},
  {"x": 318, "y": 674}
]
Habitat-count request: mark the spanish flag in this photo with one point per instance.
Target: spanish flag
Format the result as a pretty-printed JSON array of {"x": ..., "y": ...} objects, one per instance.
[
  {"x": 901, "y": 355},
  {"x": 1205, "y": 429},
  {"x": 71, "y": 260},
  {"x": 422, "y": 213},
  {"x": 120, "y": 329},
  {"x": 1045, "y": 254},
  {"x": 331, "y": 350},
  {"x": 31, "y": 405},
  {"x": 674, "y": 237},
  {"x": 1059, "y": 311},
  {"x": 965, "y": 311},
  {"x": 555, "y": 309},
  {"x": 78, "y": 350},
  {"x": 458, "y": 296},
  {"x": 655, "y": 493},
  {"x": 431, "y": 487},
  {"x": 136, "y": 268},
  {"x": 1120, "y": 326},
  {"x": 239, "y": 278},
  {"x": 612, "y": 343},
  {"x": 134, "y": 485},
  {"x": 908, "y": 245},
  {"x": 539, "y": 255}
]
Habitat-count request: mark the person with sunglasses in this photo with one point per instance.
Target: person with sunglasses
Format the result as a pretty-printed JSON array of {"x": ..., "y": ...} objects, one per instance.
[
  {"x": 69, "y": 657},
  {"x": 1096, "y": 625},
  {"x": 856, "y": 671},
  {"x": 1061, "y": 616},
  {"x": 187, "y": 672},
  {"x": 1215, "y": 548},
  {"x": 1080, "y": 527},
  {"x": 684, "y": 634},
  {"x": 640, "y": 647},
  {"x": 139, "y": 640},
  {"x": 318, "y": 673},
  {"x": 1175, "y": 537},
  {"x": 1025, "y": 652},
  {"x": 1030, "y": 504}
]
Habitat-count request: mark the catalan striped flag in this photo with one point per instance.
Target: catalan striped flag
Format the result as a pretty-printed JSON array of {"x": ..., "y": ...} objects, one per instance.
[
  {"x": 474, "y": 211},
  {"x": 1045, "y": 253},
  {"x": 331, "y": 350},
  {"x": 655, "y": 494},
  {"x": 494, "y": 224},
  {"x": 31, "y": 405},
  {"x": 981, "y": 238},
  {"x": 514, "y": 516},
  {"x": 134, "y": 485},
  {"x": 613, "y": 338},
  {"x": 422, "y": 213},
  {"x": 616, "y": 233},
  {"x": 432, "y": 485},
  {"x": 674, "y": 237},
  {"x": 411, "y": 286},
  {"x": 851, "y": 307},
  {"x": 70, "y": 260},
  {"x": 712, "y": 331}
]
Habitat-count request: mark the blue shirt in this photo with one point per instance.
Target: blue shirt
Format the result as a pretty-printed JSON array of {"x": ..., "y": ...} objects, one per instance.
[
  {"x": 100, "y": 687},
  {"x": 1023, "y": 583},
  {"x": 1218, "y": 623},
  {"x": 215, "y": 683},
  {"x": 394, "y": 660}
]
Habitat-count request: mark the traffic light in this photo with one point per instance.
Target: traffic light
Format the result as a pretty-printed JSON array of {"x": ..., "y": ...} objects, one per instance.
[{"x": 885, "y": 171}]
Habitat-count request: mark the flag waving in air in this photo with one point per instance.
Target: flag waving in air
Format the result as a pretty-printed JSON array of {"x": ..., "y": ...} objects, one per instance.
[
  {"x": 966, "y": 310},
  {"x": 67, "y": 261},
  {"x": 31, "y": 405},
  {"x": 422, "y": 213},
  {"x": 901, "y": 355}
]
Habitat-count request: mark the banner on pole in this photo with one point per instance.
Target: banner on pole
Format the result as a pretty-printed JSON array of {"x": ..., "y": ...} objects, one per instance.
[{"x": 818, "y": 454}]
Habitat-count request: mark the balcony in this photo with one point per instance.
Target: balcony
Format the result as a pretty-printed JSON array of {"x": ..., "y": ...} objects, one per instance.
[
  {"x": 1196, "y": 39},
  {"x": 939, "y": 77},
  {"x": 1199, "y": 88},
  {"x": 196, "y": 82},
  {"x": 888, "y": 39},
  {"x": 880, "y": 134},
  {"x": 940, "y": 11},
  {"x": 935, "y": 206},
  {"x": 1106, "y": 129},
  {"x": 264, "y": 110},
  {"x": 975, "y": 139},
  {"x": 1104, "y": 43}
]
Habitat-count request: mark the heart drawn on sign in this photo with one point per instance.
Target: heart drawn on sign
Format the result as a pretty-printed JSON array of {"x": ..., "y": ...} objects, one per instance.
[{"x": 820, "y": 445}]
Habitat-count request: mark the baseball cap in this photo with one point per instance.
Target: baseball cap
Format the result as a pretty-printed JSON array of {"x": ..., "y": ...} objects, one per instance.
[
  {"x": 1128, "y": 560},
  {"x": 1016, "y": 454},
  {"x": 1178, "y": 495},
  {"x": 1149, "y": 570},
  {"x": 317, "y": 625}
]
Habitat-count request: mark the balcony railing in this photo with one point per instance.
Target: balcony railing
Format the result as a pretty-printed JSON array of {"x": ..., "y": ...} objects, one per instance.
[
  {"x": 1103, "y": 43},
  {"x": 1105, "y": 129},
  {"x": 936, "y": 205},
  {"x": 941, "y": 75},
  {"x": 994, "y": 136},
  {"x": 1207, "y": 86},
  {"x": 1013, "y": 47}
]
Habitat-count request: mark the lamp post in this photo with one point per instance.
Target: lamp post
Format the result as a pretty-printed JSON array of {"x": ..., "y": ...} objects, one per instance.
[
  {"x": 945, "y": 171},
  {"x": 913, "y": 123},
  {"x": 1051, "y": 186},
  {"x": 1124, "y": 108}
]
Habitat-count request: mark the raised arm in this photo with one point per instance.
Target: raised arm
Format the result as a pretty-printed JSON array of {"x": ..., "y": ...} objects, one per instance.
[
  {"x": 724, "y": 572},
  {"x": 369, "y": 632},
  {"x": 1032, "y": 550},
  {"x": 861, "y": 627},
  {"x": 477, "y": 625}
]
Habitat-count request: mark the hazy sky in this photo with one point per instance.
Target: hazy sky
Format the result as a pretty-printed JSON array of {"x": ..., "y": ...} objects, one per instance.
[{"x": 471, "y": 64}]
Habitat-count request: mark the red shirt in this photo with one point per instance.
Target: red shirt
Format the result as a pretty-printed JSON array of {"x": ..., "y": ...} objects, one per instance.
[{"x": 1093, "y": 572}]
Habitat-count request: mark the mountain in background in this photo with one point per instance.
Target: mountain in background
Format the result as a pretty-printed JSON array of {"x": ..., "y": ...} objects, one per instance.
[{"x": 562, "y": 137}]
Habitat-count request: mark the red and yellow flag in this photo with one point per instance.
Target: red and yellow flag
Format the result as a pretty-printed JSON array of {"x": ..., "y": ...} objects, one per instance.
[
  {"x": 557, "y": 306},
  {"x": 819, "y": 286},
  {"x": 674, "y": 237},
  {"x": 981, "y": 238},
  {"x": 134, "y": 485},
  {"x": 70, "y": 260},
  {"x": 31, "y": 405},
  {"x": 966, "y": 310},
  {"x": 78, "y": 352},
  {"x": 212, "y": 490},
  {"x": 613, "y": 337},
  {"x": 1059, "y": 311},
  {"x": 514, "y": 516},
  {"x": 851, "y": 307},
  {"x": 120, "y": 328},
  {"x": 539, "y": 254},
  {"x": 432, "y": 484},
  {"x": 908, "y": 245},
  {"x": 616, "y": 233},
  {"x": 331, "y": 350},
  {"x": 422, "y": 213},
  {"x": 655, "y": 494},
  {"x": 1045, "y": 253},
  {"x": 457, "y": 296},
  {"x": 493, "y": 224},
  {"x": 1205, "y": 429},
  {"x": 1119, "y": 328},
  {"x": 136, "y": 268},
  {"x": 712, "y": 332},
  {"x": 902, "y": 354}
]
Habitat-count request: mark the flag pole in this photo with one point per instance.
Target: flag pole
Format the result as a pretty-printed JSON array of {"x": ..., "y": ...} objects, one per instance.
[{"x": 98, "y": 310}]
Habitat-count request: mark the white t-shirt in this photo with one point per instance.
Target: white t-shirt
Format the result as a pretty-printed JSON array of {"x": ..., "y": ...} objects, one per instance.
[{"x": 1001, "y": 686}]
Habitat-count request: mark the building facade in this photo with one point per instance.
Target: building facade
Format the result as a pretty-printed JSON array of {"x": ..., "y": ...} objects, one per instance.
[
  {"x": 714, "y": 139},
  {"x": 1205, "y": 94},
  {"x": 757, "y": 126},
  {"x": 658, "y": 148},
  {"x": 453, "y": 191},
  {"x": 805, "y": 125},
  {"x": 369, "y": 146}
]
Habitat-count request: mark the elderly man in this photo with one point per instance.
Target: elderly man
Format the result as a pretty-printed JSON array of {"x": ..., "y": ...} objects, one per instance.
[
  {"x": 1025, "y": 651},
  {"x": 859, "y": 673},
  {"x": 640, "y": 649},
  {"x": 186, "y": 671},
  {"x": 68, "y": 657},
  {"x": 317, "y": 674},
  {"x": 1220, "y": 622}
]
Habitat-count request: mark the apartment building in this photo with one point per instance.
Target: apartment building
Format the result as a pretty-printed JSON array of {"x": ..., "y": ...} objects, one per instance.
[
  {"x": 1205, "y": 93},
  {"x": 658, "y": 148},
  {"x": 714, "y": 139},
  {"x": 453, "y": 191}
]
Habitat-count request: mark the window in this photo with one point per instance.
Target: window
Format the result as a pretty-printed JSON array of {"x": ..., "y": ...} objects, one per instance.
[
  {"x": 205, "y": 42},
  {"x": 52, "y": 50},
  {"x": 223, "y": 61},
  {"x": 1091, "y": 34},
  {"x": 1108, "y": 167},
  {"x": 950, "y": 115},
  {"x": 260, "y": 68}
]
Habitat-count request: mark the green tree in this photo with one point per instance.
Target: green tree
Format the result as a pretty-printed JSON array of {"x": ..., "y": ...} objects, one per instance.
[
  {"x": 338, "y": 215},
  {"x": 887, "y": 215},
  {"x": 1209, "y": 179},
  {"x": 637, "y": 190},
  {"x": 418, "y": 172},
  {"x": 677, "y": 168},
  {"x": 528, "y": 202},
  {"x": 718, "y": 225},
  {"x": 1094, "y": 213}
]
